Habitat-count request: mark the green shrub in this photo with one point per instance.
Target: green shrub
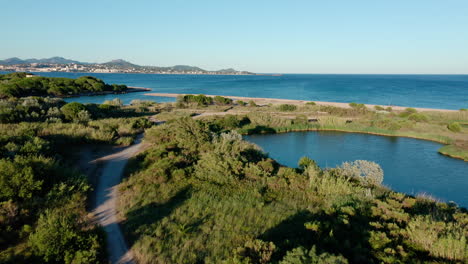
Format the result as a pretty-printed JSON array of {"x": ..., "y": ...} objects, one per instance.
[
  {"x": 257, "y": 251},
  {"x": 241, "y": 103},
  {"x": 357, "y": 106},
  {"x": 200, "y": 100},
  {"x": 287, "y": 107},
  {"x": 61, "y": 237},
  {"x": 252, "y": 103},
  {"x": 71, "y": 110},
  {"x": 454, "y": 127},
  {"x": 219, "y": 100},
  {"x": 379, "y": 108},
  {"x": 387, "y": 123},
  {"x": 311, "y": 103},
  {"x": 408, "y": 111},
  {"x": 418, "y": 117}
]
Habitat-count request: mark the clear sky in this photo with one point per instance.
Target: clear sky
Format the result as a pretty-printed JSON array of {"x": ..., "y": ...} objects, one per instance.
[{"x": 326, "y": 36}]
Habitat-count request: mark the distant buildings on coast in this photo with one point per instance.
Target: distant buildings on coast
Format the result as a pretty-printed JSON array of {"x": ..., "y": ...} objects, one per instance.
[{"x": 116, "y": 66}]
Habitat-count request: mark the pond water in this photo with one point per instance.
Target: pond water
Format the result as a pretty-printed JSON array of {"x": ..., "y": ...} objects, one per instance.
[
  {"x": 126, "y": 98},
  {"x": 410, "y": 165}
]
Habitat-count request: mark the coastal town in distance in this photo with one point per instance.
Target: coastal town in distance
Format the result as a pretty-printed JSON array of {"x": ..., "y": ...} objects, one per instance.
[{"x": 59, "y": 64}]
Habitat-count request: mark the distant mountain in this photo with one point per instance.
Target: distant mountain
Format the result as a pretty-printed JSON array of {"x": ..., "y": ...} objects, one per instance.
[
  {"x": 11, "y": 61},
  {"x": 58, "y": 60},
  {"x": 53, "y": 60},
  {"x": 186, "y": 68},
  {"x": 120, "y": 63},
  {"x": 230, "y": 70}
]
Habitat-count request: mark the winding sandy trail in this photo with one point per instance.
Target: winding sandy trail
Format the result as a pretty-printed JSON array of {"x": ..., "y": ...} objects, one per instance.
[{"x": 105, "y": 202}]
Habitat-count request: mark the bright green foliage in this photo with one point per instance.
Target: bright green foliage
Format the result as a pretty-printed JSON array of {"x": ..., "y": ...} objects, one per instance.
[
  {"x": 17, "y": 181},
  {"x": 241, "y": 103},
  {"x": 287, "y": 107},
  {"x": 408, "y": 111},
  {"x": 357, "y": 106},
  {"x": 219, "y": 100},
  {"x": 454, "y": 127},
  {"x": 418, "y": 117},
  {"x": 200, "y": 100},
  {"x": 61, "y": 237}
]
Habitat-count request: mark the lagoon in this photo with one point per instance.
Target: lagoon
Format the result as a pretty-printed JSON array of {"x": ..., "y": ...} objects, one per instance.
[{"x": 410, "y": 165}]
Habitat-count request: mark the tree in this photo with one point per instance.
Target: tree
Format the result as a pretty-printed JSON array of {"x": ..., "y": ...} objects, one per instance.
[
  {"x": 17, "y": 181},
  {"x": 60, "y": 237},
  {"x": 71, "y": 110}
]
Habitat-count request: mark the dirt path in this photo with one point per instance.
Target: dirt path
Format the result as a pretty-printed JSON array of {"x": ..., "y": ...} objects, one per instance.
[{"x": 105, "y": 201}]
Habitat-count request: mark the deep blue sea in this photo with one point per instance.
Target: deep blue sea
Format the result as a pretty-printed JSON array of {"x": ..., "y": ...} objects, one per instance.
[{"x": 429, "y": 91}]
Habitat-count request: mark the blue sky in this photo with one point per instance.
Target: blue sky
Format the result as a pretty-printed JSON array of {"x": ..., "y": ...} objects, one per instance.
[{"x": 373, "y": 36}]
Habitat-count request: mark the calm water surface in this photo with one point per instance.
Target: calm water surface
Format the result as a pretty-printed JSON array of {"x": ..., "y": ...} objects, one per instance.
[
  {"x": 431, "y": 91},
  {"x": 410, "y": 165}
]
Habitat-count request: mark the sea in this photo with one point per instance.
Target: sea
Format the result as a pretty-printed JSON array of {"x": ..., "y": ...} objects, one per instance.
[{"x": 427, "y": 91}]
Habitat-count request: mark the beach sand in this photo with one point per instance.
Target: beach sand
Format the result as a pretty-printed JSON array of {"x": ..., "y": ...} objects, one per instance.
[{"x": 266, "y": 101}]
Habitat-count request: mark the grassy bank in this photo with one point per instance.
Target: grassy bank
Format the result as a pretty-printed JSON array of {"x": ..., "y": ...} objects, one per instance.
[
  {"x": 200, "y": 194},
  {"x": 443, "y": 127}
]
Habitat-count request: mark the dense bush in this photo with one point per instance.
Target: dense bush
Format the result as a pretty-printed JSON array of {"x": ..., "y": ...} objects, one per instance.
[
  {"x": 19, "y": 85},
  {"x": 219, "y": 100},
  {"x": 241, "y": 103},
  {"x": 252, "y": 103},
  {"x": 287, "y": 107},
  {"x": 454, "y": 127},
  {"x": 379, "y": 108},
  {"x": 407, "y": 112},
  {"x": 418, "y": 117},
  {"x": 62, "y": 236},
  {"x": 71, "y": 110}
]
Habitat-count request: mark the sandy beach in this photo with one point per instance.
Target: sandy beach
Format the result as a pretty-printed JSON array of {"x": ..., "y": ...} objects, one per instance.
[{"x": 266, "y": 101}]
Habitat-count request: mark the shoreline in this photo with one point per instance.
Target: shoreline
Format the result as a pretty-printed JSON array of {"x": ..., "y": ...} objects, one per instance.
[
  {"x": 130, "y": 89},
  {"x": 266, "y": 101}
]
